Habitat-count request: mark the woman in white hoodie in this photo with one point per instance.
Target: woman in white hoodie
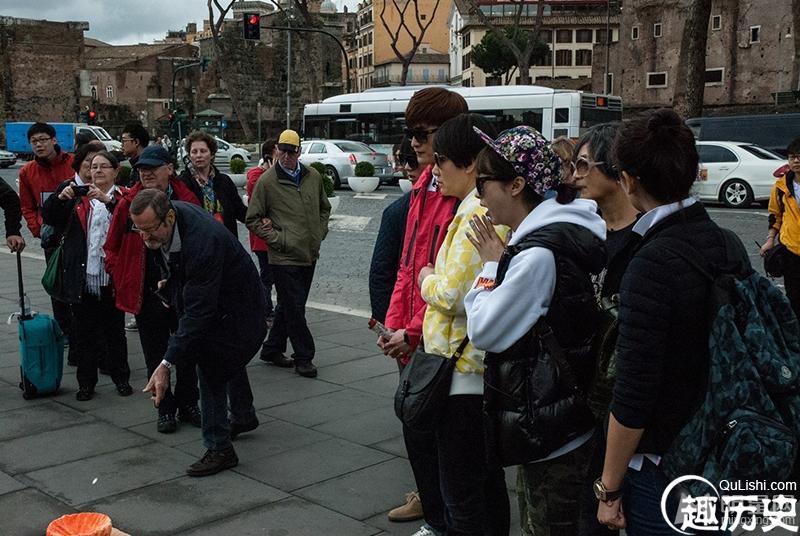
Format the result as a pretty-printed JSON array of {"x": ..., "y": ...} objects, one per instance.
[{"x": 532, "y": 310}]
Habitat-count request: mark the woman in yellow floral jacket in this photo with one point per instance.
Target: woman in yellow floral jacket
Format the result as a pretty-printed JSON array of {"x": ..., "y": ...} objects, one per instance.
[{"x": 474, "y": 494}]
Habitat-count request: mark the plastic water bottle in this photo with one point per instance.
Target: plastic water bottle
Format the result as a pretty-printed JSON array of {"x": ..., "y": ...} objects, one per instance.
[{"x": 380, "y": 329}]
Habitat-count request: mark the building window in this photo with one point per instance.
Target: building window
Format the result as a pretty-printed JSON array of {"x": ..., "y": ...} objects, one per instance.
[
  {"x": 465, "y": 82},
  {"x": 634, "y": 33},
  {"x": 465, "y": 61},
  {"x": 564, "y": 36},
  {"x": 715, "y": 77},
  {"x": 545, "y": 61},
  {"x": 410, "y": 75},
  {"x": 441, "y": 77},
  {"x": 583, "y": 36},
  {"x": 656, "y": 80},
  {"x": 359, "y": 62},
  {"x": 426, "y": 75},
  {"x": 716, "y": 22},
  {"x": 94, "y": 93},
  {"x": 755, "y": 34},
  {"x": 110, "y": 92},
  {"x": 369, "y": 38},
  {"x": 465, "y": 39},
  {"x": 546, "y": 36},
  {"x": 609, "y": 89},
  {"x": 583, "y": 58},
  {"x": 563, "y": 58},
  {"x": 657, "y": 30}
]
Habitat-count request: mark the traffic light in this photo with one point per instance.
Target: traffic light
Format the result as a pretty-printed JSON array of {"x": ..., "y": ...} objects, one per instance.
[
  {"x": 91, "y": 117},
  {"x": 252, "y": 26}
]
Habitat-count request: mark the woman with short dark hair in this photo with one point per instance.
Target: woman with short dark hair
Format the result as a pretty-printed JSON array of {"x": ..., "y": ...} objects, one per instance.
[
  {"x": 216, "y": 191},
  {"x": 662, "y": 355},
  {"x": 99, "y": 326}
]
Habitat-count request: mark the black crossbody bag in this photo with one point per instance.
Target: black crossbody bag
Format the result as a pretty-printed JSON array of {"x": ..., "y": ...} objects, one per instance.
[{"x": 424, "y": 387}]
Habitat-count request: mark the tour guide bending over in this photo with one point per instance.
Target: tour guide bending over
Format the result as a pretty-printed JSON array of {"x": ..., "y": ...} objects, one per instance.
[{"x": 214, "y": 288}]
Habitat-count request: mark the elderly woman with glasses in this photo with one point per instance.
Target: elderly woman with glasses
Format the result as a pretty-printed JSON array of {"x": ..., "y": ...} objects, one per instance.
[{"x": 85, "y": 212}]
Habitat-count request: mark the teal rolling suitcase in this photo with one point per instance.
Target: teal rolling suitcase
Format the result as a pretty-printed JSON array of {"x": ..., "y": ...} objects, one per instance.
[{"x": 41, "y": 348}]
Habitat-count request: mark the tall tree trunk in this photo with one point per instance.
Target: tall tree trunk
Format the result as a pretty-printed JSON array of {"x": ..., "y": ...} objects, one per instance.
[
  {"x": 404, "y": 72},
  {"x": 524, "y": 66},
  {"x": 690, "y": 77},
  {"x": 795, "y": 80}
]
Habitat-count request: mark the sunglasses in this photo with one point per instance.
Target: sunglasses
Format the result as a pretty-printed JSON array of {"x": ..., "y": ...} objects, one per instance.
[
  {"x": 480, "y": 180},
  {"x": 582, "y": 166},
  {"x": 420, "y": 134},
  {"x": 439, "y": 159},
  {"x": 409, "y": 160}
]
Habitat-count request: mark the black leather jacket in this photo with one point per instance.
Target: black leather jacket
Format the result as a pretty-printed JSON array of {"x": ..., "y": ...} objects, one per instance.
[{"x": 533, "y": 405}]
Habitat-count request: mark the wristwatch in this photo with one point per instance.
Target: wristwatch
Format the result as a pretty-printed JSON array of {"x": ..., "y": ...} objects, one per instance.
[
  {"x": 166, "y": 363},
  {"x": 603, "y": 494}
]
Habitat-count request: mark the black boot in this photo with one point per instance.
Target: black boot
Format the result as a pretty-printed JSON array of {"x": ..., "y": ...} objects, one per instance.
[{"x": 213, "y": 461}]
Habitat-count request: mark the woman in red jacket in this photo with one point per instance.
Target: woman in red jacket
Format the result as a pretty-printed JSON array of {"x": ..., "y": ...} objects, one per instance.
[{"x": 258, "y": 246}]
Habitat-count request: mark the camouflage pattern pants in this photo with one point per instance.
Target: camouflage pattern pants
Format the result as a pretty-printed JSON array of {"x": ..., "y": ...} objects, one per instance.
[{"x": 549, "y": 493}]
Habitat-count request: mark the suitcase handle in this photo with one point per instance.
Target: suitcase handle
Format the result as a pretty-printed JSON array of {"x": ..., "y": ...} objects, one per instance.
[{"x": 23, "y": 314}]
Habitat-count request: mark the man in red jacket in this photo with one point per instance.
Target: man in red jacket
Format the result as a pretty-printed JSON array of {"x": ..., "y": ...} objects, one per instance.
[
  {"x": 135, "y": 273},
  {"x": 429, "y": 215},
  {"x": 38, "y": 179}
]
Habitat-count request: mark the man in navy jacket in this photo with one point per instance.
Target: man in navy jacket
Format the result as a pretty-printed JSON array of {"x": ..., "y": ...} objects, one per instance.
[{"x": 213, "y": 286}]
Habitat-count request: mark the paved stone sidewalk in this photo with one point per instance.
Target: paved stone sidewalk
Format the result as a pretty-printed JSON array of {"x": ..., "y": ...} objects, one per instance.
[{"x": 328, "y": 458}]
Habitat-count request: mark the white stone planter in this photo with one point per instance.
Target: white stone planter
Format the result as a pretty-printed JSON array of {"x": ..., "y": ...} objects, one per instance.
[
  {"x": 363, "y": 185},
  {"x": 405, "y": 185},
  {"x": 334, "y": 201},
  {"x": 239, "y": 179}
]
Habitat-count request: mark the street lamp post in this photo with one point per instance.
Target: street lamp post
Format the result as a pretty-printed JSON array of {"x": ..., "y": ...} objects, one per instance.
[
  {"x": 289, "y": 17},
  {"x": 606, "y": 84},
  {"x": 174, "y": 108}
]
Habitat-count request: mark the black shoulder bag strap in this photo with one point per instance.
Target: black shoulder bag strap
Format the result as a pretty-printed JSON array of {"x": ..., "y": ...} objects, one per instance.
[{"x": 460, "y": 350}]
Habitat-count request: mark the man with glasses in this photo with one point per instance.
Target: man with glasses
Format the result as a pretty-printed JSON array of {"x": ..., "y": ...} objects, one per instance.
[
  {"x": 784, "y": 223},
  {"x": 135, "y": 273},
  {"x": 429, "y": 215},
  {"x": 213, "y": 286},
  {"x": 134, "y": 141},
  {"x": 38, "y": 180},
  {"x": 289, "y": 211}
]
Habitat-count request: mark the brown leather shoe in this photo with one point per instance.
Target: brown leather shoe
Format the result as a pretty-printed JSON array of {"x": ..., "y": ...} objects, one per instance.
[{"x": 410, "y": 511}]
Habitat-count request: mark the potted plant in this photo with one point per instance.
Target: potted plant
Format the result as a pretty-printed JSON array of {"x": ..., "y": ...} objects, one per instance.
[
  {"x": 365, "y": 179},
  {"x": 237, "y": 171},
  {"x": 327, "y": 182}
]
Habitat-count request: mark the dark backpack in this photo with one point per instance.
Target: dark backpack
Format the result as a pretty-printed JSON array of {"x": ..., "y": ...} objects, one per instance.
[{"x": 748, "y": 424}]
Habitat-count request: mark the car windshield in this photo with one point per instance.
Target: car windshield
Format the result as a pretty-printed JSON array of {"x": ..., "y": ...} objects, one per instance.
[
  {"x": 101, "y": 133},
  {"x": 353, "y": 147},
  {"x": 760, "y": 152}
]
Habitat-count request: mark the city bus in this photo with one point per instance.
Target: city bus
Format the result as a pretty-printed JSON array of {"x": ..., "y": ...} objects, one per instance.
[{"x": 376, "y": 116}]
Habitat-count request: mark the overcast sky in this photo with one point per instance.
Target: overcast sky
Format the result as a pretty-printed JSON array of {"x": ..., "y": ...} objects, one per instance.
[{"x": 120, "y": 22}]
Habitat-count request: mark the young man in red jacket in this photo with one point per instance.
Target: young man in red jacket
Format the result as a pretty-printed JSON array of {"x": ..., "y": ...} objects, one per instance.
[
  {"x": 135, "y": 273},
  {"x": 38, "y": 179},
  {"x": 429, "y": 214}
]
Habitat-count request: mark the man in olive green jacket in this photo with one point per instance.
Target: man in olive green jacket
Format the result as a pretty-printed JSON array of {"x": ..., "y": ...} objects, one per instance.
[{"x": 289, "y": 211}]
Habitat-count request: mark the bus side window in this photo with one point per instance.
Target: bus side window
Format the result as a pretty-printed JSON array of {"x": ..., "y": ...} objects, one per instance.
[
  {"x": 560, "y": 132},
  {"x": 562, "y": 115}
]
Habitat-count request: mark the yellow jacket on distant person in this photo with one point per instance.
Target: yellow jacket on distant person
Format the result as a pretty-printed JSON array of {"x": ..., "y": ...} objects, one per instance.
[
  {"x": 784, "y": 213},
  {"x": 457, "y": 266}
]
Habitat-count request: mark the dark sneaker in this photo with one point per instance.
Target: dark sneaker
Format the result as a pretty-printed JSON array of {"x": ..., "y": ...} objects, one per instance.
[
  {"x": 240, "y": 428},
  {"x": 213, "y": 461},
  {"x": 307, "y": 370},
  {"x": 277, "y": 359},
  {"x": 124, "y": 389},
  {"x": 191, "y": 415},
  {"x": 84, "y": 394},
  {"x": 166, "y": 424}
]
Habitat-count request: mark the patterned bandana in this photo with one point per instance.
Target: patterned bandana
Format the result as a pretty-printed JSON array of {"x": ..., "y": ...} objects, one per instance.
[{"x": 531, "y": 155}]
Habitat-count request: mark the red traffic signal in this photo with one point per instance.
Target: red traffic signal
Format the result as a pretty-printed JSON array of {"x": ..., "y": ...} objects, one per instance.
[
  {"x": 252, "y": 26},
  {"x": 92, "y": 116}
]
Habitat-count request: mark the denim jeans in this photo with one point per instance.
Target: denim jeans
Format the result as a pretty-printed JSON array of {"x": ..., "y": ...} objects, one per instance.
[
  {"x": 641, "y": 502},
  {"x": 293, "y": 283},
  {"x": 265, "y": 271},
  {"x": 214, "y": 399}
]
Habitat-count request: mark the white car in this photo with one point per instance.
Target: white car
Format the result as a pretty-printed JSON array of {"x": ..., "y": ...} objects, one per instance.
[
  {"x": 7, "y": 159},
  {"x": 225, "y": 153},
  {"x": 735, "y": 173}
]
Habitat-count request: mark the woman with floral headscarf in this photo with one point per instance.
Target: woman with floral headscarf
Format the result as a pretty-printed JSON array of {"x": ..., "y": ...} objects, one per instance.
[{"x": 532, "y": 310}]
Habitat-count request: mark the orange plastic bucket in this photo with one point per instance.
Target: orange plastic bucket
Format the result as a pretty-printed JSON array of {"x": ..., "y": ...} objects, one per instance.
[{"x": 83, "y": 524}]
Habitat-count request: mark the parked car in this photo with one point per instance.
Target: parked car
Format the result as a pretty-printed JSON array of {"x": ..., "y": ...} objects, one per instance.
[
  {"x": 341, "y": 156},
  {"x": 735, "y": 173},
  {"x": 225, "y": 152},
  {"x": 7, "y": 159}
]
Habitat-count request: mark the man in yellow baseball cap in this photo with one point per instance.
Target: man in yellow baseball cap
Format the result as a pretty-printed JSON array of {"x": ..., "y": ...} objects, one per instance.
[{"x": 293, "y": 226}]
